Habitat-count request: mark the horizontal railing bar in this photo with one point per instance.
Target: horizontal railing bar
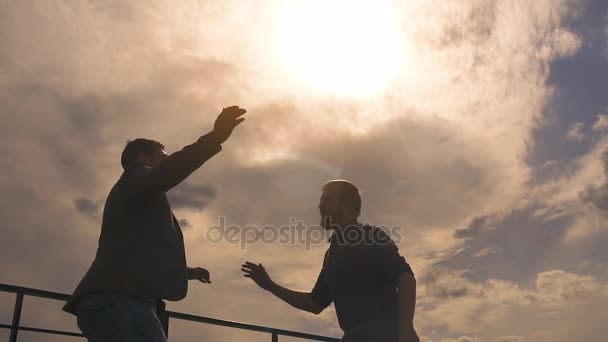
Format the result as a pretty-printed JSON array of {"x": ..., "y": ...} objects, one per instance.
[
  {"x": 245, "y": 326},
  {"x": 34, "y": 292},
  {"x": 178, "y": 315},
  {"x": 44, "y": 331}
]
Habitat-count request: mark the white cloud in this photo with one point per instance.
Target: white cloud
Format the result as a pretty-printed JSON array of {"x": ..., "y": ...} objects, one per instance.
[
  {"x": 498, "y": 310},
  {"x": 601, "y": 123},
  {"x": 579, "y": 193},
  {"x": 486, "y": 251},
  {"x": 559, "y": 285},
  {"x": 575, "y": 131}
]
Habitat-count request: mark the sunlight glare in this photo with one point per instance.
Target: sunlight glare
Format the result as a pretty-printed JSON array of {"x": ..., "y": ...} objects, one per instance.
[{"x": 345, "y": 47}]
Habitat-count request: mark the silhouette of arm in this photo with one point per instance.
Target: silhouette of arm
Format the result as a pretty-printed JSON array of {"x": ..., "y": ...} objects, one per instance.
[
  {"x": 176, "y": 167},
  {"x": 300, "y": 300},
  {"x": 179, "y": 165}
]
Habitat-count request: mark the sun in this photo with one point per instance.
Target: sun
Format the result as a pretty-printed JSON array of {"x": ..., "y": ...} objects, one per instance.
[{"x": 347, "y": 47}]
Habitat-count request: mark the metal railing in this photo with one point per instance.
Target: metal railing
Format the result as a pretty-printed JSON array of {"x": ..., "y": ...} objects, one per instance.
[{"x": 21, "y": 292}]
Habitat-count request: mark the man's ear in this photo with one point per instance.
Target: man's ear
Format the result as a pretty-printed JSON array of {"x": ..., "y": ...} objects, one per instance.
[{"x": 143, "y": 158}]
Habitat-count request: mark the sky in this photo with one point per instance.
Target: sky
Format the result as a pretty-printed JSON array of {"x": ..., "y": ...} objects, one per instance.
[{"x": 478, "y": 127}]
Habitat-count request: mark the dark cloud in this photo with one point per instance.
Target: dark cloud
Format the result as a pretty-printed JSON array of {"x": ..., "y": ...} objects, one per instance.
[
  {"x": 88, "y": 207},
  {"x": 193, "y": 196},
  {"x": 185, "y": 224},
  {"x": 441, "y": 283},
  {"x": 477, "y": 226},
  {"x": 597, "y": 195}
]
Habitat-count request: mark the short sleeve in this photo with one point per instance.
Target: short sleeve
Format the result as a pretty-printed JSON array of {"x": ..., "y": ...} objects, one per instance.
[
  {"x": 385, "y": 255},
  {"x": 321, "y": 293}
]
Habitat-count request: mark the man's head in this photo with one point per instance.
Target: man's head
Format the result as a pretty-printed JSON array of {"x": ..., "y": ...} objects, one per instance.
[
  {"x": 340, "y": 203},
  {"x": 144, "y": 151}
]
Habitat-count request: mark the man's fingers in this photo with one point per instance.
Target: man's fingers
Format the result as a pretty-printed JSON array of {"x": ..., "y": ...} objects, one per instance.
[
  {"x": 225, "y": 109},
  {"x": 240, "y": 112},
  {"x": 250, "y": 264},
  {"x": 234, "y": 111},
  {"x": 237, "y": 122}
]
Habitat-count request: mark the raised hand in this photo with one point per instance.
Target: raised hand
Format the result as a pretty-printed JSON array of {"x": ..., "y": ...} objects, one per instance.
[
  {"x": 200, "y": 274},
  {"x": 257, "y": 273},
  {"x": 229, "y": 118}
]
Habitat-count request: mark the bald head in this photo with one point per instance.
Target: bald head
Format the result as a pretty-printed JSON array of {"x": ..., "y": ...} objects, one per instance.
[
  {"x": 348, "y": 194},
  {"x": 340, "y": 203}
]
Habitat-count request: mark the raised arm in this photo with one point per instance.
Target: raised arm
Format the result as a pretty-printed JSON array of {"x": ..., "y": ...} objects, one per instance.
[
  {"x": 179, "y": 165},
  {"x": 299, "y": 300}
]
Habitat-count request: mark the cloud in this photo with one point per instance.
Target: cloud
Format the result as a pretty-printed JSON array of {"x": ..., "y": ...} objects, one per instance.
[
  {"x": 575, "y": 131},
  {"x": 185, "y": 224},
  {"x": 498, "y": 307},
  {"x": 601, "y": 123},
  {"x": 476, "y": 226},
  {"x": 510, "y": 339},
  {"x": 441, "y": 283},
  {"x": 462, "y": 339},
  {"x": 88, "y": 207},
  {"x": 188, "y": 195},
  {"x": 486, "y": 251},
  {"x": 585, "y": 193},
  {"x": 559, "y": 285}
]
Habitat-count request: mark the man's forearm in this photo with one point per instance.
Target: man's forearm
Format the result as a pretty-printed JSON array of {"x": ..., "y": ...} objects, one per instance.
[
  {"x": 177, "y": 166},
  {"x": 297, "y": 299}
]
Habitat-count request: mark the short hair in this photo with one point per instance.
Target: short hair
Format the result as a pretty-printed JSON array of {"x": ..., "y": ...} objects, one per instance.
[
  {"x": 349, "y": 192},
  {"x": 134, "y": 147}
]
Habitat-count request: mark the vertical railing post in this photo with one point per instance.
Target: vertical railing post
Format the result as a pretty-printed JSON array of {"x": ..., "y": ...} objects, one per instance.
[
  {"x": 275, "y": 336},
  {"x": 16, "y": 317}
]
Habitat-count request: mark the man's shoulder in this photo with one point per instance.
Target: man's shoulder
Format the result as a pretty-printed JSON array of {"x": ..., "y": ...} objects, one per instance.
[{"x": 377, "y": 235}]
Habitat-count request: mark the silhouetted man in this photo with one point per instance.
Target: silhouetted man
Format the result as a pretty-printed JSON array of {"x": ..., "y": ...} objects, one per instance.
[
  {"x": 141, "y": 257},
  {"x": 371, "y": 285}
]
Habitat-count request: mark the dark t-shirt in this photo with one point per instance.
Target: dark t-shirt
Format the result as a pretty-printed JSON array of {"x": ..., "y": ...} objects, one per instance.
[{"x": 360, "y": 276}]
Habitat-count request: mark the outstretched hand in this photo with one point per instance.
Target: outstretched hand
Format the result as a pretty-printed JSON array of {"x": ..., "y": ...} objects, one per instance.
[
  {"x": 229, "y": 118},
  {"x": 257, "y": 273},
  {"x": 200, "y": 274}
]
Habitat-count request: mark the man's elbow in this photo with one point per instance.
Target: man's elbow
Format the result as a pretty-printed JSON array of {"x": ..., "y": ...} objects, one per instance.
[{"x": 315, "y": 308}]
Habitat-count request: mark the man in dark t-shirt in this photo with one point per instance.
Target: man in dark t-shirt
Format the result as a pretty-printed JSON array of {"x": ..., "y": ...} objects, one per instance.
[{"x": 372, "y": 287}]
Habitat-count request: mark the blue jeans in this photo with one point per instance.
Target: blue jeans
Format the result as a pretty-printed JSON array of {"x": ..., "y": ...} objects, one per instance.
[{"x": 113, "y": 317}]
